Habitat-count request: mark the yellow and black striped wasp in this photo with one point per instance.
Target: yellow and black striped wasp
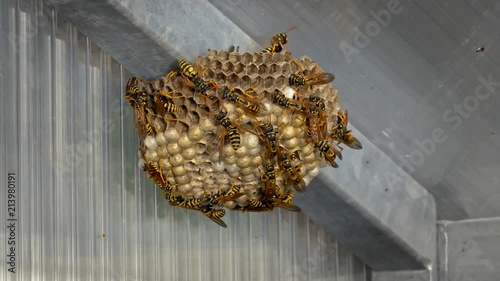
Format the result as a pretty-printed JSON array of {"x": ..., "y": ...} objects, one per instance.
[
  {"x": 268, "y": 176},
  {"x": 269, "y": 202},
  {"x": 341, "y": 134},
  {"x": 295, "y": 105},
  {"x": 278, "y": 42},
  {"x": 229, "y": 127},
  {"x": 268, "y": 134},
  {"x": 248, "y": 104},
  {"x": 284, "y": 201},
  {"x": 214, "y": 214},
  {"x": 164, "y": 104},
  {"x": 231, "y": 194},
  {"x": 139, "y": 101},
  {"x": 310, "y": 80},
  {"x": 294, "y": 177},
  {"x": 154, "y": 172},
  {"x": 327, "y": 150},
  {"x": 190, "y": 73}
]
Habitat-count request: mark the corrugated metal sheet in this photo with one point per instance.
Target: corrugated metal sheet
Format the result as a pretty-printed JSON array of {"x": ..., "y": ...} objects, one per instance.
[{"x": 85, "y": 211}]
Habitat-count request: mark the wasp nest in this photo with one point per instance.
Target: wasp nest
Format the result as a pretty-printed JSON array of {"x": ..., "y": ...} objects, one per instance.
[{"x": 238, "y": 131}]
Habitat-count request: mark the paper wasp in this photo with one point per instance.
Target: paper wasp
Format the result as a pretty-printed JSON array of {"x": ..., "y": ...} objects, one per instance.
[
  {"x": 328, "y": 151},
  {"x": 232, "y": 131},
  {"x": 250, "y": 105},
  {"x": 294, "y": 177},
  {"x": 189, "y": 72},
  {"x": 267, "y": 133},
  {"x": 284, "y": 201},
  {"x": 231, "y": 194},
  {"x": 214, "y": 214},
  {"x": 268, "y": 176},
  {"x": 278, "y": 42},
  {"x": 295, "y": 105},
  {"x": 311, "y": 80},
  {"x": 163, "y": 103},
  {"x": 341, "y": 134},
  {"x": 155, "y": 173}
]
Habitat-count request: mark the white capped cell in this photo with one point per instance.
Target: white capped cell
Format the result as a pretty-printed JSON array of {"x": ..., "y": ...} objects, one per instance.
[
  {"x": 195, "y": 133},
  {"x": 244, "y": 162},
  {"x": 160, "y": 139},
  {"x": 150, "y": 143},
  {"x": 288, "y": 132},
  {"x": 184, "y": 142},
  {"x": 291, "y": 144},
  {"x": 230, "y": 204},
  {"x": 218, "y": 166},
  {"x": 206, "y": 124},
  {"x": 173, "y": 148},
  {"x": 242, "y": 151},
  {"x": 243, "y": 199},
  {"x": 171, "y": 135},
  {"x": 159, "y": 124},
  {"x": 141, "y": 163},
  {"x": 188, "y": 153},
  {"x": 176, "y": 160},
  {"x": 232, "y": 168},
  {"x": 179, "y": 171},
  {"x": 151, "y": 156},
  {"x": 251, "y": 141},
  {"x": 162, "y": 151},
  {"x": 182, "y": 180}
]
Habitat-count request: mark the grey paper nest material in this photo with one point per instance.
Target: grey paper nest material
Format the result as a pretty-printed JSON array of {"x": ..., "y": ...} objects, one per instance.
[{"x": 181, "y": 141}]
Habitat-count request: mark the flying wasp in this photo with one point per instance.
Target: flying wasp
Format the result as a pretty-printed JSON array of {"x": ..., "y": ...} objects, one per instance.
[
  {"x": 341, "y": 134},
  {"x": 278, "y": 42}
]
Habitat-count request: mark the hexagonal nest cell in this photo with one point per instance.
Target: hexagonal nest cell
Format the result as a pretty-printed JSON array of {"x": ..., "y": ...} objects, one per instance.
[{"x": 238, "y": 131}]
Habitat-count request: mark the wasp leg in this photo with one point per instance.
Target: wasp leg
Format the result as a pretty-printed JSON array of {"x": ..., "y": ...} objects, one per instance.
[
  {"x": 173, "y": 73},
  {"x": 143, "y": 80},
  {"x": 296, "y": 61},
  {"x": 168, "y": 95}
]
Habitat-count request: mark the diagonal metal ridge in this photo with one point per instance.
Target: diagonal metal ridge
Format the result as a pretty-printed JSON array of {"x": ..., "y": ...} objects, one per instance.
[{"x": 149, "y": 37}]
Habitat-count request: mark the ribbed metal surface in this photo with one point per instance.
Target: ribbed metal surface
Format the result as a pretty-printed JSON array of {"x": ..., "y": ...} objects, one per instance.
[{"x": 84, "y": 209}]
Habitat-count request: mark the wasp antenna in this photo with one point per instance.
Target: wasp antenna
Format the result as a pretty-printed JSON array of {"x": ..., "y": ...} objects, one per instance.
[{"x": 291, "y": 28}]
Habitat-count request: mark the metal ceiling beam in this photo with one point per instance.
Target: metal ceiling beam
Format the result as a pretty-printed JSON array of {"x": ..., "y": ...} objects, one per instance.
[
  {"x": 469, "y": 249},
  {"x": 369, "y": 204}
]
